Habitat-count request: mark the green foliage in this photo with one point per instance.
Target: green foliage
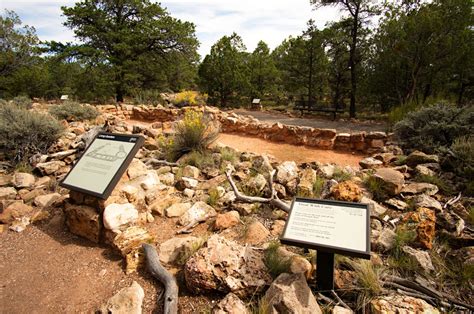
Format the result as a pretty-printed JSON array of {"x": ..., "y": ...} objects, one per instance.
[
  {"x": 398, "y": 113},
  {"x": 401, "y": 160},
  {"x": 24, "y": 133},
  {"x": 23, "y": 166},
  {"x": 22, "y": 102},
  {"x": 463, "y": 151},
  {"x": 189, "y": 250},
  {"x": 229, "y": 154},
  {"x": 443, "y": 186},
  {"x": 375, "y": 187},
  {"x": 199, "y": 159},
  {"x": 189, "y": 98},
  {"x": 73, "y": 111},
  {"x": 340, "y": 175},
  {"x": 262, "y": 71},
  {"x": 318, "y": 185},
  {"x": 435, "y": 127},
  {"x": 147, "y": 97},
  {"x": 276, "y": 265},
  {"x": 398, "y": 259},
  {"x": 213, "y": 197},
  {"x": 368, "y": 277}
]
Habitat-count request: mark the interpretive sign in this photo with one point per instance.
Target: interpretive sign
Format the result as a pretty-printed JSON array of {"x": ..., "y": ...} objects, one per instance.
[
  {"x": 330, "y": 226},
  {"x": 102, "y": 164}
]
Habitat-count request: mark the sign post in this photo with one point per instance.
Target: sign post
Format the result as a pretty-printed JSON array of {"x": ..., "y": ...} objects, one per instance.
[
  {"x": 330, "y": 227},
  {"x": 103, "y": 163}
]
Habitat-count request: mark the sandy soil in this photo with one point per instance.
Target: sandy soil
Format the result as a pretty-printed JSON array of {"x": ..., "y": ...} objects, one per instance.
[
  {"x": 283, "y": 152},
  {"x": 315, "y": 122}
]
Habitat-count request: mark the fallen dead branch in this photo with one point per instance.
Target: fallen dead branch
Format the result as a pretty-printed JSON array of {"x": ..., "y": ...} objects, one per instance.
[
  {"x": 168, "y": 280},
  {"x": 273, "y": 200},
  {"x": 153, "y": 162}
]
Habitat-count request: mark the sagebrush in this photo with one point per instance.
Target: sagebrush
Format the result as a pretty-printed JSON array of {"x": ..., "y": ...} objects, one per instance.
[
  {"x": 73, "y": 111},
  {"x": 24, "y": 133}
]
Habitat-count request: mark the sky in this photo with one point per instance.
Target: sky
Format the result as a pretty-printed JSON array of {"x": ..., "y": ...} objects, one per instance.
[{"x": 254, "y": 20}]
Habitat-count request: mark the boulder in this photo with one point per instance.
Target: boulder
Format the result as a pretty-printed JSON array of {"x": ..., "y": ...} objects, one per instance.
[
  {"x": 197, "y": 212},
  {"x": 286, "y": 172},
  {"x": 174, "y": 250},
  {"x": 83, "y": 221},
  {"x": 256, "y": 233},
  {"x": 15, "y": 211},
  {"x": 117, "y": 215},
  {"x": 226, "y": 266},
  {"x": 305, "y": 186},
  {"x": 347, "y": 191},
  {"x": 422, "y": 258},
  {"x": 370, "y": 163},
  {"x": 7, "y": 193},
  {"x": 417, "y": 157},
  {"x": 327, "y": 170},
  {"x": 422, "y": 221},
  {"x": 46, "y": 200},
  {"x": 50, "y": 167},
  {"x": 289, "y": 293},
  {"x": 391, "y": 180},
  {"x": 177, "y": 209},
  {"x": 400, "y": 304},
  {"x": 23, "y": 180},
  {"x": 231, "y": 304},
  {"x": 420, "y": 188},
  {"x": 426, "y": 201},
  {"x": 127, "y": 301},
  {"x": 226, "y": 220}
]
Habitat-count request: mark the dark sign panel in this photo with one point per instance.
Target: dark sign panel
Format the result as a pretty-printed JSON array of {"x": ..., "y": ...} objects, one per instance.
[
  {"x": 103, "y": 164},
  {"x": 329, "y": 226}
]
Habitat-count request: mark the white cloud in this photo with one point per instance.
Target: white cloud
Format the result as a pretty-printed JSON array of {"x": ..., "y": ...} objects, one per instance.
[{"x": 254, "y": 20}]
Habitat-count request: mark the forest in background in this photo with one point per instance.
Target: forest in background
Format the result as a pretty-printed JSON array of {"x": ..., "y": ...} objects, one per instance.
[{"x": 418, "y": 53}]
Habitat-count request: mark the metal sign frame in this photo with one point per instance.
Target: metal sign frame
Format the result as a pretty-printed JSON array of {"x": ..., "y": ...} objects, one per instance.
[
  {"x": 328, "y": 248},
  {"x": 128, "y": 138}
]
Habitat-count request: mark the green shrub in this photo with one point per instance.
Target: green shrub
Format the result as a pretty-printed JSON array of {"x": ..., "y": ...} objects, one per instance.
[
  {"x": 440, "y": 183},
  {"x": 213, "y": 197},
  {"x": 24, "y": 133},
  {"x": 194, "y": 133},
  {"x": 229, "y": 154},
  {"x": 147, "y": 97},
  {"x": 276, "y": 265},
  {"x": 340, "y": 175},
  {"x": 318, "y": 186},
  {"x": 188, "y": 98},
  {"x": 463, "y": 154},
  {"x": 73, "y": 111},
  {"x": 22, "y": 102},
  {"x": 400, "y": 112},
  {"x": 435, "y": 127},
  {"x": 199, "y": 159},
  {"x": 375, "y": 187}
]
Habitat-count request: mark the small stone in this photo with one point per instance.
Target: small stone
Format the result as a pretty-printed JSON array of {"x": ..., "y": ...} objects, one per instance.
[
  {"x": 370, "y": 163},
  {"x": 177, "y": 210},
  {"x": 420, "y": 188},
  {"x": 126, "y": 301},
  {"x": 278, "y": 227},
  {"x": 286, "y": 172},
  {"x": 424, "y": 171},
  {"x": 244, "y": 209},
  {"x": 50, "y": 167},
  {"x": 46, "y": 200},
  {"x": 400, "y": 304},
  {"x": 158, "y": 207},
  {"x": 231, "y": 304},
  {"x": 188, "y": 193},
  {"x": 327, "y": 171},
  {"x": 256, "y": 233},
  {"x": 341, "y": 310},
  {"x": 137, "y": 169},
  {"x": 197, "y": 212},
  {"x": 191, "y": 172},
  {"x": 19, "y": 225},
  {"x": 423, "y": 221},
  {"x": 7, "y": 193},
  {"x": 256, "y": 184},
  {"x": 289, "y": 293},
  {"x": 226, "y": 220},
  {"x": 43, "y": 182},
  {"x": 397, "y": 204},
  {"x": 118, "y": 215},
  {"x": 5, "y": 180},
  {"x": 422, "y": 258},
  {"x": 23, "y": 180},
  {"x": 167, "y": 178},
  {"x": 186, "y": 183},
  {"x": 305, "y": 186},
  {"x": 375, "y": 208},
  {"x": 385, "y": 241}
]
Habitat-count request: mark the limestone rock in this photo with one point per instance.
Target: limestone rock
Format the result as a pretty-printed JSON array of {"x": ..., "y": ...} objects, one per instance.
[
  {"x": 20, "y": 224},
  {"x": 420, "y": 188},
  {"x": 46, "y": 200},
  {"x": 43, "y": 182},
  {"x": 23, "y": 180},
  {"x": 136, "y": 169},
  {"x": 177, "y": 209},
  {"x": 327, "y": 171},
  {"x": 375, "y": 208},
  {"x": 256, "y": 233},
  {"x": 385, "y": 240},
  {"x": 7, "y": 193},
  {"x": 191, "y": 172},
  {"x": 256, "y": 184},
  {"x": 286, "y": 172},
  {"x": 83, "y": 221},
  {"x": 400, "y": 304},
  {"x": 262, "y": 163},
  {"x": 289, "y": 293},
  {"x": 231, "y": 304},
  {"x": 118, "y": 215},
  {"x": 15, "y": 211},
  {"x": 417, "y": 157},
  {"x": 186, "y": 183},
  {"x": 347, "y": 191},
  {"x": 422, "y": 221},
  {"x": 226, "y": 266},
  {"x": 197, "y": 212},
  {"x": 305, "y": 186},
  {"x": 370, "y": 163},
  {"x": 188, "y": 193},
  {"x": 174, "y": 250},
  {"x": 397, "y": 204},
  {"x": 423, "y": 200},
  {"x": 226, "y": 220},
  {"x": 424, "y": 171},
  {"x": 167, "y": 178},
  {"x": 127, "y": 301},
  {"x": 50, "y": 167},
  {"x": 159, "y": 205},
  {"x": 422, "y": 258},
  {"x": 391, "y": 180}
]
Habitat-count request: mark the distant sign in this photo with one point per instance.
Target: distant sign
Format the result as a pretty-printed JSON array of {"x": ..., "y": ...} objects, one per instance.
[
  {"x": 101, "y": 166},
  {"x": 329, "y": 226},
  {"x": 256, "y": 101},
  {"x": 64, "y": 97}
]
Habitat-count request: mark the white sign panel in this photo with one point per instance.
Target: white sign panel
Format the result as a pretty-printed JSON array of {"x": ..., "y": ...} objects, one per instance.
[{"x": 337, "y": 226}]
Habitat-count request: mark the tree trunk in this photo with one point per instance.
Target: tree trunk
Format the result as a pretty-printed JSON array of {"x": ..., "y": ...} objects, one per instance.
[{"x": 352, "y": 63}]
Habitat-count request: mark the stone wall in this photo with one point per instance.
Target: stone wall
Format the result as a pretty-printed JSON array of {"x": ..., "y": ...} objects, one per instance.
[{"x": 364, "y": 142}]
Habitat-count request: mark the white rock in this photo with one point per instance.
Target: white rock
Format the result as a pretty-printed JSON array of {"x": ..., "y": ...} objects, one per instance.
[
  {"x": 126, "y": 301},
  {"x": 177, "y": 209},
  {"x": 197, "y": 212},
  {"x": 286, "y": 172},
  {"x": 23, "y": 180},
  {"x": 117, "y": 215}
]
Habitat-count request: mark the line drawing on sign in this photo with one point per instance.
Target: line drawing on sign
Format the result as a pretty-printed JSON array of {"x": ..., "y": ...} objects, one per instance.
[{"x": 99, "y": 153}]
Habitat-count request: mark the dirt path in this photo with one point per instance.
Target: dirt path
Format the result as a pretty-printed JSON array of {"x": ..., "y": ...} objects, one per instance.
[
  {"x": 283, "y": 152},
  {"x": 340, "y": 126}
]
